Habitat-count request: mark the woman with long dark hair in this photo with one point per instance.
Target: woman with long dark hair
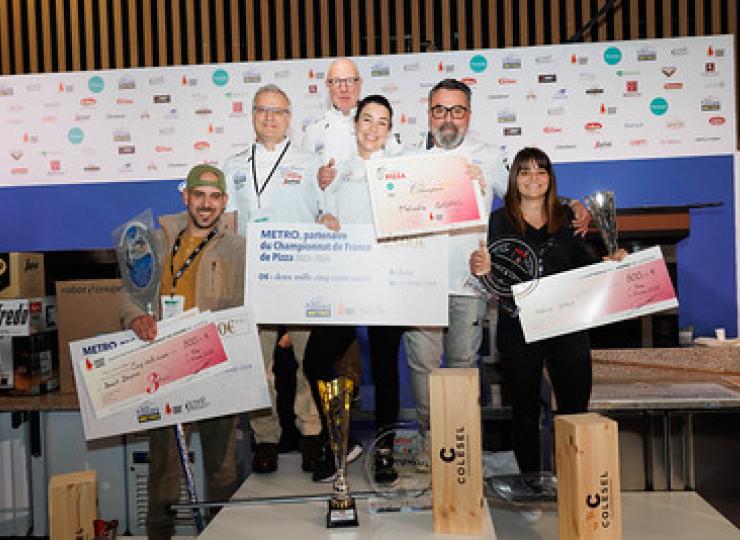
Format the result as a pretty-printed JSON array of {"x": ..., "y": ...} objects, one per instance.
[{"x": 533, "y": 215}]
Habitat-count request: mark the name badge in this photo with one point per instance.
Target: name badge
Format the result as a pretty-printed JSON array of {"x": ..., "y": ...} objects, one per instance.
[
  {"x": 262, "y": 215},
  {"x": 172, "y": 305}
]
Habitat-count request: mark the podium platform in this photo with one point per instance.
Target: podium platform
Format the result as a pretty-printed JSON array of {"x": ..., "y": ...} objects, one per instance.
[{"x": 646, "y": 515}]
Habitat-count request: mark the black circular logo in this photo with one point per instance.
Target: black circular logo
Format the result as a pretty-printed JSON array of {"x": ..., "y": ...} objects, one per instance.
[{"x": 512, "y": 262}]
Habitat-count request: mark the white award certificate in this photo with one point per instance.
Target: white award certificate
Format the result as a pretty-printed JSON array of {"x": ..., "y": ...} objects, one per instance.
[
  {"x": 305, "y": 274},
  {"x": 241, "y": 386},
  {"x": 595, "y": 295}
]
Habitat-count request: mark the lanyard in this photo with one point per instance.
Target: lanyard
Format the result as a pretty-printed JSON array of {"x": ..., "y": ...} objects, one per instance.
[
  {"x": 259, "y": 190},
  {"x": 186, "y": 264}
]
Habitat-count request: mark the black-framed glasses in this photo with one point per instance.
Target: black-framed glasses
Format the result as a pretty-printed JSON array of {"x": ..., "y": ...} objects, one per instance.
[
  {"x": 457, "y": 112},
  {"x": 336, "y": 82}
]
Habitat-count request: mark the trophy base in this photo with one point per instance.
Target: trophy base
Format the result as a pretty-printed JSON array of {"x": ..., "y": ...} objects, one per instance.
[{"x": 342, "y": 515}]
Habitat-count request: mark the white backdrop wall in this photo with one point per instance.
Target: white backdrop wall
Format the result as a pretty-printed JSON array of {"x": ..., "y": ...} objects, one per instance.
[{"x": 653, "y": 120}]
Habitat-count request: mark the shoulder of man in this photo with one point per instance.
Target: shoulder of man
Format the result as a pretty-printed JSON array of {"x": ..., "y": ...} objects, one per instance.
[
  {"x": 318, "y": 124},
  {"x": 230, "y": 239},
  {"x": 240, "y": 158}
]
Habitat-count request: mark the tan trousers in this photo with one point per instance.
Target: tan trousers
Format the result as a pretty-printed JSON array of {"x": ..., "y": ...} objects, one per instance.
[{"x": 265, "y": 423}]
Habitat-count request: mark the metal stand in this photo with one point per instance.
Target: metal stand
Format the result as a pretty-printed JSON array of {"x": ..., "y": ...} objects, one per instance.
[{"x": 184, "y": 459}]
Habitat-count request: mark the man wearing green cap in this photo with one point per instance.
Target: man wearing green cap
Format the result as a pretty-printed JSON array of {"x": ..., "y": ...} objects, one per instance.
[{"x": 202, "y": 266}]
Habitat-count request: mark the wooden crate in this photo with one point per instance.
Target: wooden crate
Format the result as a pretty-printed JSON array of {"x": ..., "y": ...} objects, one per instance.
[
  {"x": 457, "y": 458},
  {"x": 587, "y": 460},
  {"x": 72, "y": 505}
]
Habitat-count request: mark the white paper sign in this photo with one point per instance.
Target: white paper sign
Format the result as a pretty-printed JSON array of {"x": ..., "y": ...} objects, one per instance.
[
  {"x": 241, "y": 387},
  {"x": 306, "y": 274}
]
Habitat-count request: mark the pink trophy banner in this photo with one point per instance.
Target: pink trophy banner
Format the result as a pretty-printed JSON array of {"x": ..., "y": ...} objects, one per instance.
[
  {"x": 115, "y": 380},
  {"x": 422, "y": 195}
]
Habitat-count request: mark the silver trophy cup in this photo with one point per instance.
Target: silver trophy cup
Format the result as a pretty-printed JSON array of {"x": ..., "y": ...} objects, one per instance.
[
  {"x": 604, "y": 214},
  {"x": 336, "y": 396}
]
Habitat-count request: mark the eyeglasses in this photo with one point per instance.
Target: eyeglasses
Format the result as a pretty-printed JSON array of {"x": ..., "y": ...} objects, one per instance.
[
  {"x": 349, "y": 81},
  {"x": 457, "y": 112},
  {"x": 277, "y": 111}
]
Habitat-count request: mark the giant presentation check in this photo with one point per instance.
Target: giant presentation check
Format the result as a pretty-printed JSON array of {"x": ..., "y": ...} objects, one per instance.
[
  {"x": 304, "y": 274},
  {"x": 595, "y": 295},
  {"x": 219, "y": 371},
  {"x": 422, "y": 194}
]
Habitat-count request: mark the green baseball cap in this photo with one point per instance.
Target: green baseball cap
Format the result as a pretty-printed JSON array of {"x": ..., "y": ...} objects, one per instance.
[{"x": 195, "y": 177}]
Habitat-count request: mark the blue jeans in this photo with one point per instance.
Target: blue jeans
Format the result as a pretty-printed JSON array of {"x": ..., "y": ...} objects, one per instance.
[{"x": 461, "y": 341}]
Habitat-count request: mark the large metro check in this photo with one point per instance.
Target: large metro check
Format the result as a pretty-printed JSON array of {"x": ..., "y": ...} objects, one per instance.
[
  {"x": 595, "y": 295},
  {"x": 185, "y": 348},
  {"x": 239, "y": 386},
  {"x": 422, "y": 194},
  {"x": 305, "y": 274}
]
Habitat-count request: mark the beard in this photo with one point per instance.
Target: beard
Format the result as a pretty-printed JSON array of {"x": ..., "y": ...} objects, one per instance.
[
  {"x": 204, "y": 222},
  {"x": 448, "y": 136}
]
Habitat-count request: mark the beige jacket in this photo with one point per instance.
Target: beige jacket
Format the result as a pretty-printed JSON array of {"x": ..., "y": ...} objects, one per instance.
[{"x": 220, "y": 280}]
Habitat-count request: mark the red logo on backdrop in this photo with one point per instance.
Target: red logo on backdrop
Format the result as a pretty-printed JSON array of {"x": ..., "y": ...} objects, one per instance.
[
  {"x": 552, "y": 129},
  {"x": 470, "y": 81},
  {"x": 593, "y": 126},
  {"x": 88, "y": 101},
  {"x": 313, "y": 89},
  {"x": 717, "y": 120},
  {"x": 237, "y": 107},
  {"x": 201, "y": 145},
  {"x": 88, "y": 364},
  {"x": 55, "y": 165},
  {"x": 631, "y": 86}
]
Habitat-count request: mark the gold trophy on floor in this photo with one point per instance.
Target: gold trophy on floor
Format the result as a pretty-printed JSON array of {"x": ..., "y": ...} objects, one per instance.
[{"x": 336, "y": 396}]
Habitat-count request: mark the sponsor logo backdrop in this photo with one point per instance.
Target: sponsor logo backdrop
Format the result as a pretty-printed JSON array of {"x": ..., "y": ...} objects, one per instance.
[
  {"x": 652, "y": 120},
  {"x": 583, "y": 102}
]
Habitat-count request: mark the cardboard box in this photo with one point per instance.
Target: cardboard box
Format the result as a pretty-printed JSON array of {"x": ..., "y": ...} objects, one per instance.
[
  {"x": 72, "y": 505},
  {"x": 22, "y": 275},
  {"x": 85, "y": 308},
  {"x": 27, "y": 316},
  {"x": 587, "y": 460},
  {"x": 29, "y": 365},
  {"x": 457, "y": 454}
]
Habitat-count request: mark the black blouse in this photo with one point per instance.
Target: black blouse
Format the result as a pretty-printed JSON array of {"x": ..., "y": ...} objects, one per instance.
[{"x": 555, "y": 252}]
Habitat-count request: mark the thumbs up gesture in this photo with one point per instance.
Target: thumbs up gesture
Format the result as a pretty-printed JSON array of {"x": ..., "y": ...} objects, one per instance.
[
  {"x": 326, "y": 174},
  {"x": 480, "y": 260}
]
